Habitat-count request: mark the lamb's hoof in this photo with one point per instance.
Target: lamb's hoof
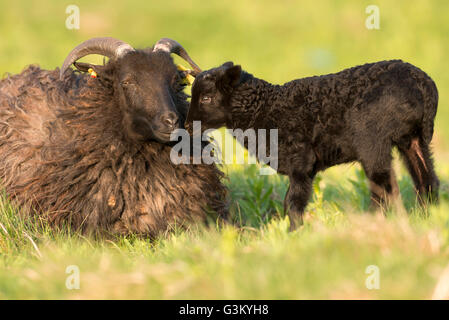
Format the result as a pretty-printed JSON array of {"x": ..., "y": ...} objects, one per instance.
[{"x": 296, "y": 221}]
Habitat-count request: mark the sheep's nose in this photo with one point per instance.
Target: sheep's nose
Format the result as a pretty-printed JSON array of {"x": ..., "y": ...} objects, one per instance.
[{"x": 170, "y": 119}]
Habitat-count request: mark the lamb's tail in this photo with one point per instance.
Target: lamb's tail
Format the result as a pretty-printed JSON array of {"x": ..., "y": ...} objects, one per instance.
[{"x": 430, "y": 109}]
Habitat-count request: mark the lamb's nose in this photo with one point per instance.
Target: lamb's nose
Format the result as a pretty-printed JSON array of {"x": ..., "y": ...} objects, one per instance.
[{"x": 170, "y": 119}]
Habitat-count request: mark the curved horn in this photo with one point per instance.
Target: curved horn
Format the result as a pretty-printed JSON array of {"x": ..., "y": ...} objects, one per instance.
[
  {"x": 171, "y": 46},
  {"x": 109, "y": 47}
]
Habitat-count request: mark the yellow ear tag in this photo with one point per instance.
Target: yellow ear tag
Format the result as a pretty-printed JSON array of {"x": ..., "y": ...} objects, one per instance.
[
  {"x": 188, "y": 80},
  {"x": 92, "y": 73}
]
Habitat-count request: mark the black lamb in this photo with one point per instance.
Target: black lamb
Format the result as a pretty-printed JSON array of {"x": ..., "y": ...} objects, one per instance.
[{"x": 358, "y": 114}]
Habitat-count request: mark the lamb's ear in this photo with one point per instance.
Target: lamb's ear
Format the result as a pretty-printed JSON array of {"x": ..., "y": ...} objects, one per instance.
[
  {"x": 232, "y": 75},
  {"x": 228, "y": 64},
  {"x": 95, "y": 70}
]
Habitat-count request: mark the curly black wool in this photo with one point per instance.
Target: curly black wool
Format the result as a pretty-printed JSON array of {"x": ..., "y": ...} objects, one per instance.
[{"x": 358, "y": 114}]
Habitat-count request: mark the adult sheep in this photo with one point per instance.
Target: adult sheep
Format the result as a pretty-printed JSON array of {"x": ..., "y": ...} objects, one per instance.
[{"x": 93, "y": 152}]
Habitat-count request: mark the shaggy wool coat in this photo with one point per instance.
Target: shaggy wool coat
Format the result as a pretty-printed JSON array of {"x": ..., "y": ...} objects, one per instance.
[{"x": 64, "y": 154}]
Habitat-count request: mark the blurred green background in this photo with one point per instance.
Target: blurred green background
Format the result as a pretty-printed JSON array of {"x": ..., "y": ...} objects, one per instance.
[{"x": 278, "y": 41}]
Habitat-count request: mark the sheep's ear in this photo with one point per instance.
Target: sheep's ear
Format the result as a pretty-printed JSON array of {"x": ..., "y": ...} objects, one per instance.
[
  {"x": 81, "y": 66},
  {"x": 232, "y": 74},
  {"x": 93, "y": 69}
]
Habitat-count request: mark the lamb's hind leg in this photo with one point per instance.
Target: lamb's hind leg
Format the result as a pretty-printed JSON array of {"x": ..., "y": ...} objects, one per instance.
[
  {"x": 298, "y": 195},
  {"x": 417, "y": 157},
  {"x": 383, "y": 183},
  {"x": 385, "y": 192}
]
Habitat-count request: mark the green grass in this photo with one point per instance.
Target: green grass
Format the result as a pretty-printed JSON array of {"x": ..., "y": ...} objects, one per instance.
[{"x": 257, "y": 257}]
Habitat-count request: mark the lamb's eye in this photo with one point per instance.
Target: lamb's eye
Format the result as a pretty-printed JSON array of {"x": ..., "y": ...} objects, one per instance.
[{"x": 206, "y": 99}]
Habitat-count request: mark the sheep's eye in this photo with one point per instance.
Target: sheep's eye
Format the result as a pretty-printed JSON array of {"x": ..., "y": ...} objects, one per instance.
[
  {"x": 206, "y": 99},
  {"x": 125, "y": 83}
]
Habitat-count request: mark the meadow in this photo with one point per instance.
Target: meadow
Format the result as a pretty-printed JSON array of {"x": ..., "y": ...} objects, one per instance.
[{"x": 341, "y": 247}]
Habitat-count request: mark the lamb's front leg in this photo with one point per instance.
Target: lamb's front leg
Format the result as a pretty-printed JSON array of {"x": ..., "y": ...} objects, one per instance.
[{"x": 298, "y": 195}]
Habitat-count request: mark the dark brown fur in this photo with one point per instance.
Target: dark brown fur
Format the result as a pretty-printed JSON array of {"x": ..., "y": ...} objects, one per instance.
[{"x": 65, "y": 152}]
